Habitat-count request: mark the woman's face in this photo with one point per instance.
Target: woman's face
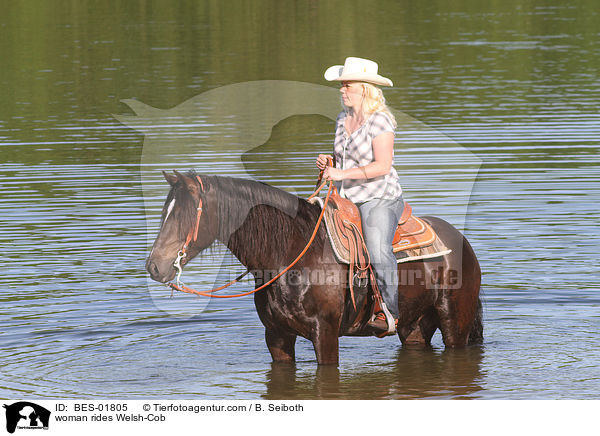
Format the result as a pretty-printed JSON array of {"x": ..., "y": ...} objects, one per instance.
[{"x": 352, "y": 94}]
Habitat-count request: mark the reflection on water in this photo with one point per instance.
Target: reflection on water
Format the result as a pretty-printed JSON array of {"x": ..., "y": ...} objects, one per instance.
[
  {"x": 412, "y": 374},
  {"x": 514, "y": 82}
]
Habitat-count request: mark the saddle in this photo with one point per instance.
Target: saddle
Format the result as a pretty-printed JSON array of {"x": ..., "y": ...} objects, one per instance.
[{"x": 414, "y": 238}]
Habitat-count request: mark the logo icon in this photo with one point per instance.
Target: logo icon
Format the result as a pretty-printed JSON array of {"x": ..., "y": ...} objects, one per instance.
[
  {"x": 220, "y": 130},
  {"x": 25, "y": 415}
]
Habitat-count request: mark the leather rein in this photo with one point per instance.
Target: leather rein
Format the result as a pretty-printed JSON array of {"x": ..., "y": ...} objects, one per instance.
[{"x": 193, "y": 236}]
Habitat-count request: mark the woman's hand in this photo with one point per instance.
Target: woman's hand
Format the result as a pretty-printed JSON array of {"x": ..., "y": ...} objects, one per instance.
[
  {"x": 329, "y": 173},
  {"x": 334, "y": 174},
  {"x": 322, "y": 160}
]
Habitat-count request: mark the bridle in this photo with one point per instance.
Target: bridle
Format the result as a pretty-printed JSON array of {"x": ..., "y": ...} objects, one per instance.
[{"x": 193, "y": 236}]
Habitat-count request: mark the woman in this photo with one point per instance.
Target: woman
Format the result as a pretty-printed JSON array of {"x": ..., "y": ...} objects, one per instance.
[{"x": 364, "y": 152}]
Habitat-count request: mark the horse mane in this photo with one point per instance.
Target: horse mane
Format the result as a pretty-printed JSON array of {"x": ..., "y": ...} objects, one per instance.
[{"x": 254, "y": 217}]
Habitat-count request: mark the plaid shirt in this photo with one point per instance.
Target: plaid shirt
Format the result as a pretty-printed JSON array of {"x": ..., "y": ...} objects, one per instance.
[{"x": 356, "y": 150}]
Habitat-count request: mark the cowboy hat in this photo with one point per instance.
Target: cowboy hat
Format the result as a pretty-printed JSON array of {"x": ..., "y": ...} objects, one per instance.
[{"x": 361, "y": 70}]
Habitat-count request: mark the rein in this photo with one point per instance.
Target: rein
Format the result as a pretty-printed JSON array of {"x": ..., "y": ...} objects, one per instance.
[{"x": 179, "y": 286}]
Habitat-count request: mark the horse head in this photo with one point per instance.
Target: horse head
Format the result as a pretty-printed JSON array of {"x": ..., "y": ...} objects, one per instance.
[{"x": 186, "y": 228}]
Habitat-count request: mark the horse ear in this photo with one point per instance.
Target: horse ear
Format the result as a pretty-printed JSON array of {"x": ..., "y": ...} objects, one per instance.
[
  {"x": 169, "y": 178},
  {"x": 189, "y": 182}
]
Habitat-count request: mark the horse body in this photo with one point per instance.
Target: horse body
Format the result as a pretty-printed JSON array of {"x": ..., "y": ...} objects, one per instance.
[{"x": 266, "y": 228}]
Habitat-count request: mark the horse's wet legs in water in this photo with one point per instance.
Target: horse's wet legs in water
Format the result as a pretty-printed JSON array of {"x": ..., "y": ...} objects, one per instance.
[
  {"x": 324, "y": 338},
  {"x": 281, "y": 345},
  {"x": 326, "y": 343}
]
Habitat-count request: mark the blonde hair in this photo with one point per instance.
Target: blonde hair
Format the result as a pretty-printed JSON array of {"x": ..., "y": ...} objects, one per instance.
[{"x": 373, "y": 101}]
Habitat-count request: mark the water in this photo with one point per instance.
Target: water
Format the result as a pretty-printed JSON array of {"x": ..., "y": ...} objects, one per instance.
[{"x": 516, "y": 85}]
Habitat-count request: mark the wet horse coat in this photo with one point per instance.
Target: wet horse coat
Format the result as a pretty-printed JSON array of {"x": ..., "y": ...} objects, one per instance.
[{"x": 266, "y": 228}]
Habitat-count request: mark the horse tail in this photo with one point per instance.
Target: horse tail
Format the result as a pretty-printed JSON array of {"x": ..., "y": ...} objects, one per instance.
[{"x": 476, "y": 333}]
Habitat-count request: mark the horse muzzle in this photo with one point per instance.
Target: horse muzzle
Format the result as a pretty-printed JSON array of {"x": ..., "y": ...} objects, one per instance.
[{"x": 161, "y": 271}]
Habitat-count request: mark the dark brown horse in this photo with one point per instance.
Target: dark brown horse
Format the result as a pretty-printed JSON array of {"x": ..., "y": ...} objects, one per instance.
[{"x": 266, "y": 228}]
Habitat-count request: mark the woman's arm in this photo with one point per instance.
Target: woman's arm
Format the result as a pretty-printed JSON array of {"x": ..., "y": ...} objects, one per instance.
[{"x": 383, "y": 156}]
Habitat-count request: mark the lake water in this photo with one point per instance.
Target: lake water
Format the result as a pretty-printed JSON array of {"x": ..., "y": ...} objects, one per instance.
[{"x": 499, "y": 137}]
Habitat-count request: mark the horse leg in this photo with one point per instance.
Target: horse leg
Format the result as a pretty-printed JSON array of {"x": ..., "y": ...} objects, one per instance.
[
  {"x": 281, "y": 345},
  {"x": 459, "y": 280},
  {"x": 457, "y": 316},
  {"x": 326, "y": 343},
  {"x": 419, "y": 334},
  {"x": 459, "y": 312}
]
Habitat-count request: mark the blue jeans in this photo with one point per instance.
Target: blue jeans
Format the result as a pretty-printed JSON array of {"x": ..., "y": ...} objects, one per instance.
[{"x": 379, "y": 220}]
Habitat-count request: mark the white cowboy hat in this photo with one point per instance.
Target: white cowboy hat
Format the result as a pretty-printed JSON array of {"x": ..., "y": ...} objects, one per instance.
[{"x": 362, "y": 70}]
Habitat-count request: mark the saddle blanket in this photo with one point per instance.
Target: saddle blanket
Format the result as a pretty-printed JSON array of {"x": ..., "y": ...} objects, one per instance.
[{"x": 415, "y": 239}]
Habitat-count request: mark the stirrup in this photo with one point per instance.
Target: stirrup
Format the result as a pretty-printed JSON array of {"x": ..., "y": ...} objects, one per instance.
[{"x": 389, "y": 319}]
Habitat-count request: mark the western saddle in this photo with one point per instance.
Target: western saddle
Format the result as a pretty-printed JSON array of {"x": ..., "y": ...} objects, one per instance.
[{"x": 414, "y": 239}]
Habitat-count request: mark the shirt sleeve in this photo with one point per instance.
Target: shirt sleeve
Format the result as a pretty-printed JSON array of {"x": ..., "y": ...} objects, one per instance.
[{"x": 381, "y": 123}]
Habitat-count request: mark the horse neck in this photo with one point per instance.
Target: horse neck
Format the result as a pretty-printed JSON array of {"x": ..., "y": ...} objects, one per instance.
[{"x": 259, "y": 223}]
